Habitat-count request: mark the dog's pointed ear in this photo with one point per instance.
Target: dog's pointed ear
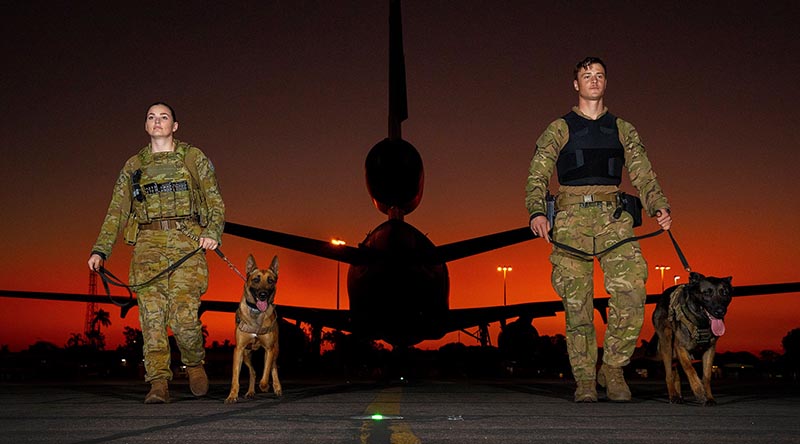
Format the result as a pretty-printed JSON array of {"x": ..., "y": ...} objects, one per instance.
[
  {"x": 251, "y": 264},
  {"x": 274, "y": 265},
  {"x": 728, "y": 279},
  {"x": 695, "y": 277}
]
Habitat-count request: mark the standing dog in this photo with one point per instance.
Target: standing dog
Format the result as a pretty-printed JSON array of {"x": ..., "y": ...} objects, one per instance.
[
  {"x": 257, "y": 326},
  {"x": 689, "y": 318}
]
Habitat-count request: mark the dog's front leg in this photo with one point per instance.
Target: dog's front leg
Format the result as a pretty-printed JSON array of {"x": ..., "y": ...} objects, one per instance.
[
  {"x": 691, "y": 374},
  {"x": 233, "y": 396},
  {"x": 708, "y": 364},
  {"x": 251, "y": 385},
  {"x": 670, "y": 374}
]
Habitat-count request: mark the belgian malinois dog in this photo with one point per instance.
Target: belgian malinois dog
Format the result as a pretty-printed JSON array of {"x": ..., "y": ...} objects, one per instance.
[
  {"x": 257, "y": 326},
  {"x": 689, "y": 319}
]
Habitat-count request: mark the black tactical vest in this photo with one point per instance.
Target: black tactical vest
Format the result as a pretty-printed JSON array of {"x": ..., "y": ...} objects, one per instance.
[{"x": 593, "y": 154}]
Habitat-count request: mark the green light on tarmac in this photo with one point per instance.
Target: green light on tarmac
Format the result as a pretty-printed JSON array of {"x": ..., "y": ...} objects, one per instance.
[{"x": 377, "y": 417}]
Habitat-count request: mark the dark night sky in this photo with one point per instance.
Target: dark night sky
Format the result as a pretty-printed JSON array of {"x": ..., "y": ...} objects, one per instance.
[{"x": 286, "y": 98}]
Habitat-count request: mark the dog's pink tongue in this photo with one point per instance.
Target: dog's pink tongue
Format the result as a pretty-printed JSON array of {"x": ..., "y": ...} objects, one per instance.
[
  {"x": 717, "y": 326},
  {"x": 262, "y": 305}
]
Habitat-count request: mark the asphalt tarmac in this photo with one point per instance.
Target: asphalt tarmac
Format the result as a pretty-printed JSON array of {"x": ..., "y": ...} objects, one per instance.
[{"x": 444, "y": 411}]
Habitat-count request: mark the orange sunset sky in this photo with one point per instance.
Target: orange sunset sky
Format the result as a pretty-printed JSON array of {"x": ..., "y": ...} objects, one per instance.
[{"x": 287, "y": 98}]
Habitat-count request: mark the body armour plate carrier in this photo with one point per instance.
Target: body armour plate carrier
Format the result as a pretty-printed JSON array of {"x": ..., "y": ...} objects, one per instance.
[
  {"x": 166, "y": 187},
  {"x": 593, "y": 154}
]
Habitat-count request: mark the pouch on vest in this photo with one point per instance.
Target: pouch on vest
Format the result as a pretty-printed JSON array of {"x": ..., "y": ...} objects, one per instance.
[
  {"x": 131, "y": 230},
  {"x": 631, "y": 205}
]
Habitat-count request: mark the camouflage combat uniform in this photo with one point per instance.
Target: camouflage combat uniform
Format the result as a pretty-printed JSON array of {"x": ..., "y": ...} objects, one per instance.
[
  {"x": 592, "y": 228},
  {"x": 178, "y": 202}
]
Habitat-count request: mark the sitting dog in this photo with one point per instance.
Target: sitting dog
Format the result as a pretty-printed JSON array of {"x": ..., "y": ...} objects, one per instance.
[
  {"x": 689, "y": 318},
  {"x": 257, "y": 326}
]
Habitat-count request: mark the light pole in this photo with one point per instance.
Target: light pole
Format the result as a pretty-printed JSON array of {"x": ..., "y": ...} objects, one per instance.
[
  {"x": 662, "y": 268},
  {"x": 337, "y": 242},
  {"x": 505, "y": 270},
  {"x": 675, "y": 279}
]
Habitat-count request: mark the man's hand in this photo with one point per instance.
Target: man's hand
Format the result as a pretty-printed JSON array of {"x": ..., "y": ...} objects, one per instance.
[
  {"x": 95, "y": 262},
  {"x": 541, "y": 227},
  {"x": 208, "y": 243},
  {"x": 664, "y": 219}
]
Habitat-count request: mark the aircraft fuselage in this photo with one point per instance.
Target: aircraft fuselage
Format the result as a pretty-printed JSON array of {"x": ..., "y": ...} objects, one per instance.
[{"x": 401, "y": 297}]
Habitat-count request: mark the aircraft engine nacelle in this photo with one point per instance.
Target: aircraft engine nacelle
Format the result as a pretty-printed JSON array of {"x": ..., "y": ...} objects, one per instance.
[{"x": 395, "y": 177}]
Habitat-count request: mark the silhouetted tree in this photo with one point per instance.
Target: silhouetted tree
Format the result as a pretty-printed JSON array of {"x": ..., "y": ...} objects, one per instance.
[
  {"x": 76, "y": 340},
  {"x": 791, "y": 348},
  {"x": 101, "y": 318}
]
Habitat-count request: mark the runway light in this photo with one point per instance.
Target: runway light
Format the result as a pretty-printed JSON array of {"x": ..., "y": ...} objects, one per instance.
[{"x": 377, "y": 417}]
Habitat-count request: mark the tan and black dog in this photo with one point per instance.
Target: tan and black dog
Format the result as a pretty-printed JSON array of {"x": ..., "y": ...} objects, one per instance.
[
  {"x": 689, "y": 319},
  {"x": 257, "y": 326}
]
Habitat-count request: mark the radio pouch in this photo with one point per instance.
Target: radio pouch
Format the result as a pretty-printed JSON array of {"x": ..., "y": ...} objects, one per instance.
[{"x": 631, "y": 205}]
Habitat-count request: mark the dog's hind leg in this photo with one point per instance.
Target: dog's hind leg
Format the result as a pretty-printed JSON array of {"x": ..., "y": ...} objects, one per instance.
[
  {"x": 708, "y": 363},
  {"x": 271, "y": 369}
]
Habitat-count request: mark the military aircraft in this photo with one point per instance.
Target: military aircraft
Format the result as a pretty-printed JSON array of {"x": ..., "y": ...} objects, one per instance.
[{"x": 397, "y": 282}]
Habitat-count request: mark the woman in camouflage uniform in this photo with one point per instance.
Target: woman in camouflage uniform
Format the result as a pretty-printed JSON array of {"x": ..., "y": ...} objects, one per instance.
[{"x": 168, "y": 202}]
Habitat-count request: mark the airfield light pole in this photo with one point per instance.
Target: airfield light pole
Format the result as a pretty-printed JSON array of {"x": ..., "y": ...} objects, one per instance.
[
  {"x": 505, "y": 270},
  {"x": 337, "y": 242},
  {"x": 675, "y": 279},
  {"x": 662, "y": 268}
]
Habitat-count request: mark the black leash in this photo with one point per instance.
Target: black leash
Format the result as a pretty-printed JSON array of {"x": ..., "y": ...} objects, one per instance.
[
  {"x": 108, "y": 278},
  {"x": 625, "y": 241}
]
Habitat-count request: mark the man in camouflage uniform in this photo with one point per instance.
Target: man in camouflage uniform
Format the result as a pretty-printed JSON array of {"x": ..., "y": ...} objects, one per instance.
[
  {"x": 588, "y": 147},
  {"x": 167, "y": 200}
]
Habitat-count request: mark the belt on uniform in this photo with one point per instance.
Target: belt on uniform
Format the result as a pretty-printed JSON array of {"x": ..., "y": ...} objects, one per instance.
[
  {"x": 163, "y": 224},
  {"x": 563, "y": 200}
]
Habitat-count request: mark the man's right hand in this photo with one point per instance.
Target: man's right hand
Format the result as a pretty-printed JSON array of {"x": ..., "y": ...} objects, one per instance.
[{"x": 541, "y": 227}]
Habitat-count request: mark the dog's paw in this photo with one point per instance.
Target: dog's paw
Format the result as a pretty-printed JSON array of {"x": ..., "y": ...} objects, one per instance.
[
  {"x": 263, "y": 386},
  {"x": 710, "y": 402},
  {"x": 231, "y": 399},
  {"x": 676, "y": 400},
  {"x": 278, "y": 392}
]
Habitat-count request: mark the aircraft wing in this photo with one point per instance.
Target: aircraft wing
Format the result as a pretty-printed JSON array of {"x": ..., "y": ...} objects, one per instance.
[
  {"x": 482, "y": 244},
  {"x": 341, "y": 253},
  {"x": 459, "y": 319}
]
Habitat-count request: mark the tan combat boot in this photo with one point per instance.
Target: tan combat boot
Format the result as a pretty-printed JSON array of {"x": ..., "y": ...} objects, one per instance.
[
  {"x": 586, "y": 391},
  {"x": 613, "y": 380},
  {"x": 159, "y": 393},
  {"x": 198, "y": 381}
]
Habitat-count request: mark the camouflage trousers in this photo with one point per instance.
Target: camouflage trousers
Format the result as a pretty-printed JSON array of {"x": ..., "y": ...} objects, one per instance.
[
  {"x": 171, "y": 301},
  {"x": 593, "y": 229}
]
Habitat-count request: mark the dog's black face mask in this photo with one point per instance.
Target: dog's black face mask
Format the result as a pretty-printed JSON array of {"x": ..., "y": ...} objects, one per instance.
[{"x": 713, "y": 294}]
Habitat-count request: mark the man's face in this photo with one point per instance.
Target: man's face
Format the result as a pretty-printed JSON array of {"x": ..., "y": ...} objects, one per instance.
[
  {"x": 591, "y": 82},
  {"x": 159, "y": 122}
]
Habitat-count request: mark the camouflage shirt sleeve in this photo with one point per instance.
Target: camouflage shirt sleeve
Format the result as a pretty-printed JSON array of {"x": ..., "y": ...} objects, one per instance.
[
  {"x": 640, "y": 170},
  {"x": 548, "y": 146},
  {"x": 213, "y": 197},
  {"x": 118, "y": 211}
]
